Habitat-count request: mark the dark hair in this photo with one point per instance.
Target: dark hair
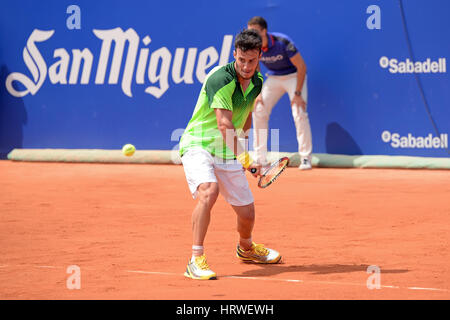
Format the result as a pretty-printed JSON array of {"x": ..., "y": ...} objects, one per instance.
[
  {"x": 248, "y": 39},
  {"x": 260, "y": 21}
]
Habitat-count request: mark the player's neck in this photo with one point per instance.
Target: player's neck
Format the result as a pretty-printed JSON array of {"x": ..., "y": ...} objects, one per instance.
[
  {"x": 265, "y": 41},
  {"x": 244, "y": 83}
]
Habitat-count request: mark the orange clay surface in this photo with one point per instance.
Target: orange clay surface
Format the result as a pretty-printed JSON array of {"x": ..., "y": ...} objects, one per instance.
[{"x": 128, "y": 228}]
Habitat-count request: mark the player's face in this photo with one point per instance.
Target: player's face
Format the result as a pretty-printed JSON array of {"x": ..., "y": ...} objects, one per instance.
[{"x": 246, "y": 62}]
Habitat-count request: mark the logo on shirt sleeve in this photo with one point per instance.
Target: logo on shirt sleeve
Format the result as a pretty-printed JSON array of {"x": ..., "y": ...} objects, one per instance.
[{"x": 290, "y": 47}]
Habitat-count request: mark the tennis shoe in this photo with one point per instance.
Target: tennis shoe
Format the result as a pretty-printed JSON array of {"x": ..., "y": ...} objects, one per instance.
[
  {"x": 258, "y": 254},
  {"x": 198, "y": 269},
  {"x": 305, "y": 164}
]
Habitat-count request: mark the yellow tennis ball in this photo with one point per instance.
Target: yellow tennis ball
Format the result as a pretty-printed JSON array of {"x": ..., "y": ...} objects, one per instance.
[{"x": 128, "y": 150}]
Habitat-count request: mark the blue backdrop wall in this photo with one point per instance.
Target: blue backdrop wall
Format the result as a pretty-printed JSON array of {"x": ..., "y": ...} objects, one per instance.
[{"x": 104, "y": 73}]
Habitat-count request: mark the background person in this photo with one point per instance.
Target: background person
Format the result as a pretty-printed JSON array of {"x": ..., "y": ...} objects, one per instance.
[{"x": 286, "y": 74}]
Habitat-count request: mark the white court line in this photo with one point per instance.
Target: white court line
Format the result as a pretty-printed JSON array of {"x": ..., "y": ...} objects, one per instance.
[
  {"x": 160, "y": 273},
  {"x": 430, "y": 289},
  {"x": 292, "y": 280},
  {"x": 252, "y": 278},
  {"x": 29, "y": 266}
]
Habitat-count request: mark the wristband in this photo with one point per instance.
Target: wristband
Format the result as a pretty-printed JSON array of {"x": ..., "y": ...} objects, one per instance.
[{"x": 245, "y": 159}]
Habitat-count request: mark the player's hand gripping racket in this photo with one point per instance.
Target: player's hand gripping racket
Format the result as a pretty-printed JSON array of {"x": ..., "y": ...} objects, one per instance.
[{"x": 272, "y": 173}]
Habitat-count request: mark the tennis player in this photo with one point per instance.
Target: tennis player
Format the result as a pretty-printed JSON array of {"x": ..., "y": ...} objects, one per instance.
[
  {"x": 286, "y": 74},
  {"x": 213, "y": 155}
]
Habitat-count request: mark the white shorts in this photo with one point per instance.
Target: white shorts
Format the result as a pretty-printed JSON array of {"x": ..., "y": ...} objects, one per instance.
[{"x": 201, "y": 167}]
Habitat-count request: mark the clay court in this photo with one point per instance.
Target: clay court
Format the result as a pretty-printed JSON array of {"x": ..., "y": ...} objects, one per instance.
[{"x": 127, "y": 227}]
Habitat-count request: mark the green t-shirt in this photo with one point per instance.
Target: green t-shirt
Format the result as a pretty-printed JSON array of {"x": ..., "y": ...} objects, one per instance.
[{"x": 221, "y": 89}]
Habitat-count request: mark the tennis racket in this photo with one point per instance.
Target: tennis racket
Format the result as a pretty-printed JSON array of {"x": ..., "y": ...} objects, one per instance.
[{"x": 272, "y": 173}]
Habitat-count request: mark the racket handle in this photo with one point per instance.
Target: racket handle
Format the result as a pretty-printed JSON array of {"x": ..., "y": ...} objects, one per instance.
[{"x": 253, "y": 170}]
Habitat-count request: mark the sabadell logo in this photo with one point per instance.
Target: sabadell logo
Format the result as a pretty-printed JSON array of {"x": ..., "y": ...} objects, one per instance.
[
  {"x": 408, "y": 66},
  {"x": 415, "y": 142}
]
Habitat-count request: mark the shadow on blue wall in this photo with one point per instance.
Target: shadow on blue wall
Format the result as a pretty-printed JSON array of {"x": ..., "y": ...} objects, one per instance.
[
  {"x": 13, "y": 116},
  {"x": 339, "y": 141}
]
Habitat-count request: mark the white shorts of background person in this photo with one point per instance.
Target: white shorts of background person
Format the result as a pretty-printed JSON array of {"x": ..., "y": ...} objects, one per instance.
[{"x": 274, "y": 88}]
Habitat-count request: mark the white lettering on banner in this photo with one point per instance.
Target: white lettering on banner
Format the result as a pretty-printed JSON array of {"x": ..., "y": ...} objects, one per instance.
[
  {"x": 409, "y": 66},
  {"x": 74, "y": 21},
  {"x": 374, "y": 21},
  {"x": 87, "y": 58},
  {"x": 410, "y": 141},
  {"x": 188, "y": 69},
  {"x": 165, "y": 56},
  {"x": 57, "y": 73},
  {"x": 158, "y": 70},
  {"x": 206, "y": 59},
  {"x": 37, "y": 68},
  {"x": 119, "y": 37}
]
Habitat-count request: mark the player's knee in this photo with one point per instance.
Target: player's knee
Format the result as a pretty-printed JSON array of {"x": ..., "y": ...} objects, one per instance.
[
  {"x": 247, "y": 213},
  {"x": 208, "y": 193}
]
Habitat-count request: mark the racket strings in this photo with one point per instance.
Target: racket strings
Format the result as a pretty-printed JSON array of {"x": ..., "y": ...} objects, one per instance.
[{"x": 273, "y": 172}]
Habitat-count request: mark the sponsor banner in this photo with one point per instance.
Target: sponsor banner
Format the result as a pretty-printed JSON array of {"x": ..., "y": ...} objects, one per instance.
[
  {"x": 101, "y": 74},
  {"x": 66, "y": 69}
]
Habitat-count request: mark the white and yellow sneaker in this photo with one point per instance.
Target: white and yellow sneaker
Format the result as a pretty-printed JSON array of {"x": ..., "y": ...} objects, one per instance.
[
  {"x": 198, "y": 269},
  {"x": 258, "y": 254}
]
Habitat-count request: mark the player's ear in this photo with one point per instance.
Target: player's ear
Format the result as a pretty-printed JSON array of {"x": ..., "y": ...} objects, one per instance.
[{"x": 234, "y": 53}]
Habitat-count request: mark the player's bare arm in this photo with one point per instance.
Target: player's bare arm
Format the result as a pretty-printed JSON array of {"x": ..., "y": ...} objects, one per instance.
[
  {"x": 259, "y": 97},
  {"x": 247, "y": 126},
  {"x": 228, "y": 131}
]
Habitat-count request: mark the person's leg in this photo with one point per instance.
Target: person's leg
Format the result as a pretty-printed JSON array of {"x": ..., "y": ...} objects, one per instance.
[
  {"x": 234, "y": 187},
  {"x": 198, "y": 267},
  {"x": 247, "y": 250},
  {"x": 271, "y": 92},
  {"x": 245, "y": 222},
  {"x": 201, "y": 216},
  {"x": 301, "y": 120},
  {"x": 199, "y": 169}
]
